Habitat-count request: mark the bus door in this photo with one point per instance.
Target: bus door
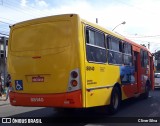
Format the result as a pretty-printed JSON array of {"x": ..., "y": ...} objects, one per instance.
[
  {"x": 136, "y": 73},
  {"x": 144, "y": 70},
  {"x": 151, "y": 71}
]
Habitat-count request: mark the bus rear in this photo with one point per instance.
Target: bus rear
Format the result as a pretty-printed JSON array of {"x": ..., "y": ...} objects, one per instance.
[{"x": 43, "y": 67}]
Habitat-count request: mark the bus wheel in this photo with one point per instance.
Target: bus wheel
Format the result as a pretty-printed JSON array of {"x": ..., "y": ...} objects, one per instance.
[{"x": 115, "y": 101}]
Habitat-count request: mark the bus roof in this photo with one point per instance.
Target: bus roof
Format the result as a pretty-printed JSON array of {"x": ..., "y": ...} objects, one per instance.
[
  {"x": 32, "y": 21},
  {"x": 43, "y": 19}
]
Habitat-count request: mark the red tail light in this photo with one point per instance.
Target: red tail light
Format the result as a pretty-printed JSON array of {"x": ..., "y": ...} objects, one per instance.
[
  {"x": 74, "y": 83},
  {"x": 74, "y": 80}
]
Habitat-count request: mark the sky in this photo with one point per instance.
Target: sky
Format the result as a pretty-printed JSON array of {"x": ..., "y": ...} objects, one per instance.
[{"x": 141, "y": 16}]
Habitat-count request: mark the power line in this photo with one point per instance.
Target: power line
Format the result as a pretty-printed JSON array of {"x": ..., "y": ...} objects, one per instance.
[
  {"x": 148, "y": 36},
  {"x": 7, "y": 19},
  {"x": 31, "y": 8},
  {"x": 4, "y": 30},
  {"x": 18, "y": 10},
  {"x": 139, "y": 8},
  {"x": 5, "y": 22},
  {"x": 4, "y": 34},
  {"x": 34, "y": 13}
]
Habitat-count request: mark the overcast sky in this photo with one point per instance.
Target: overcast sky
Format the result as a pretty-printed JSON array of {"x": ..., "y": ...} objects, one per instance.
[{"x": 141, "y": 16}]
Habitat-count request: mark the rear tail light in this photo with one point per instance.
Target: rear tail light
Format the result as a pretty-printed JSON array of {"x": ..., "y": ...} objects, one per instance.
[
  {"x": 74, "y": 80},
  {"x": 74, "y": 83},
  {"x": 74, "y": 74}
]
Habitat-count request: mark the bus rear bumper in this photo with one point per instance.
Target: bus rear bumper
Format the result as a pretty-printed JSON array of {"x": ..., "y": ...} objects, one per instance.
[{"x": 65, "y": 100}]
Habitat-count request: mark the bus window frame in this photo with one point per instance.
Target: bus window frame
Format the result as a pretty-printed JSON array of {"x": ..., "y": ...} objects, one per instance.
[
  {"x": 127, "y": 54},
  {"x": 143, "y": 58},
  {"x": 114, "y": 51},
  {"x": 87, "y": 27}
]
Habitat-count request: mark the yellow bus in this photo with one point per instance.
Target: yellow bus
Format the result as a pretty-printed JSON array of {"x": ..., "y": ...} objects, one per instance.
[{"x": 64, "y": 61}]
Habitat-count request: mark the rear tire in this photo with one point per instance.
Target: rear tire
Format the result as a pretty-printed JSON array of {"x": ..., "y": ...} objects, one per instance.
[{"x": 115, "y": 101}]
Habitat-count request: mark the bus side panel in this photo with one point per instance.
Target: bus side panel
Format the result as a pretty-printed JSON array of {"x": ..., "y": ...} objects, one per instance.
[
  {"x": 128, "y": 80},
  {"x": 99, "y": 83},
  {"x": 98, "y": 97}
]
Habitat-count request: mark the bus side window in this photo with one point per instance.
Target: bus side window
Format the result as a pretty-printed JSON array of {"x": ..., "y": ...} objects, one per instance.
[
  {"x": 127, "y": 54},
  {"x": 114, "y": 46},
  {"x": 95, "y": 46},
  {"x": 135, "y": 60},
  {"x": 144, "y": 58},
  {"x": 146, "y": 61}
]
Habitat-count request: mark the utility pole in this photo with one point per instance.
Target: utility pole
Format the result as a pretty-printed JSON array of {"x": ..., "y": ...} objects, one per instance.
[
  {"x": 97, "y": 20},
  {"x": 148, "y": 45}
]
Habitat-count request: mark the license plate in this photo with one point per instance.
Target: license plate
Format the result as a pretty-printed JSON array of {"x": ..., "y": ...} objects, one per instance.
[{"x": 37, "y": 79}]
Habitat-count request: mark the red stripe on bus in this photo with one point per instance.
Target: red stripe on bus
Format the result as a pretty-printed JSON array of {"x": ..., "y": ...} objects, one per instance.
[{"x": 68, "y": 100}]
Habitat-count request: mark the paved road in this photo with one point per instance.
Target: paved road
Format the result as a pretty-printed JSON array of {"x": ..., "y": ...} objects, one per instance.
[{"x": 130, "y": 108}]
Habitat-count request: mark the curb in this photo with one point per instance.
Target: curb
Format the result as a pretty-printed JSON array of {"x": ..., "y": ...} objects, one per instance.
[{"x": 2, "y": 103}]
